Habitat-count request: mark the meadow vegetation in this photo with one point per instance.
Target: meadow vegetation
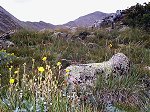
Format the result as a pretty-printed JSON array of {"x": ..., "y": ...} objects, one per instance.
[{"x": 31, "y": 79}]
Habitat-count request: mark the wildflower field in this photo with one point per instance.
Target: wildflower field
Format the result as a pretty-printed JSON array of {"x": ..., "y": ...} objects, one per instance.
[{"x": 32, "y": 78}]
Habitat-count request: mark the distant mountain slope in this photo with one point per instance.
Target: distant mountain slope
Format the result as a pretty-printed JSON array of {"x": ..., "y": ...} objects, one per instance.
[
  {"x": 87, "y": 20},
  {"x": 40, "y": 25},
  {"x": 9, "y": 22}
]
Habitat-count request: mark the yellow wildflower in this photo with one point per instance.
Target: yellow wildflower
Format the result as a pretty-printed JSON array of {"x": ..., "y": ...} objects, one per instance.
[
  {"x": 10, "y": 68},
  {"x": 44, "y": 58},
  {"x": 16, "y": 72},
  {"x": 58, "y": 63},
  {"x": 41, "y": 69},
  {"x": 3, "y": 50},
  {"x": 66, "y": 74},
  {"x": 110, "y": 45},
  {"x": 12, "y": 54},
  {"x": 67, "y": 70},
  {"x": 11, "y": 81}
]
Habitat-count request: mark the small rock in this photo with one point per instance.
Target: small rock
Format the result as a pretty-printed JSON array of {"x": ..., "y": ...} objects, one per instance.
[{"x": 147, "y": 67}]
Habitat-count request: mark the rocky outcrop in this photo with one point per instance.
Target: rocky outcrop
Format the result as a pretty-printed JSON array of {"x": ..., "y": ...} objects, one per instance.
[
  {"x": 110, "y": 19},
  {"x": 124, "y": 28},
  {"x": 61, "y": 35},
  {"x": 4, "y": 42},
  {"x": 147, "y": 68},
  {"x": 93, "y": 45}
]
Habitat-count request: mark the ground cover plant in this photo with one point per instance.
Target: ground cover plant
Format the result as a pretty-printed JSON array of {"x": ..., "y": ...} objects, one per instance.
[{"x": 32, "y": 80}]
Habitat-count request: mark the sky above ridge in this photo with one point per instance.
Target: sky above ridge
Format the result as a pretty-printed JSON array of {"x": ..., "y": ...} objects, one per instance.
[{"x": 62, "y": 11}]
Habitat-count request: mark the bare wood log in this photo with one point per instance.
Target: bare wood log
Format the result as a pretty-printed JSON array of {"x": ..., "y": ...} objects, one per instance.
[{"x": 86, "y": 74}]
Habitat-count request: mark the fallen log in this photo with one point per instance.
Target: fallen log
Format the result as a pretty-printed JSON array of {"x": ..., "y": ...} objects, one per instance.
[{"x": 85, "y": 75}]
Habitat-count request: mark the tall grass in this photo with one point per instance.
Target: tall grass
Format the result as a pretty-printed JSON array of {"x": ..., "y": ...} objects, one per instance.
[{"x": 44, "y": 91}]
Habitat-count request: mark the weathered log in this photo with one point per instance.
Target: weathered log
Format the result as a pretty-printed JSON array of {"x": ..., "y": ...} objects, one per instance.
[{"x": 85, "y": 75}]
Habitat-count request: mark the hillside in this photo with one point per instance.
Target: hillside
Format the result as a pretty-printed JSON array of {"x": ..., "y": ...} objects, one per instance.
[
  {"x": 40, "y": 25},
  {"x": 87, "y": 20},
  {"x": 9, "y": 22}
]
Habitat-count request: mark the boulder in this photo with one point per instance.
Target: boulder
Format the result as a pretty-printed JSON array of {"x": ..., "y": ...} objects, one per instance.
[
  {"x": 60, "y": 35},
  {"x": 83, "y": 35},
  {"x": 124, "y": 28},
  {"x": 147, "y": 68},
  {"x": 4, "y": 42},
  {"x": 6, "y": 35},
  {"x": 9, "y": 43},
  {"x": 93, "y": 45}
]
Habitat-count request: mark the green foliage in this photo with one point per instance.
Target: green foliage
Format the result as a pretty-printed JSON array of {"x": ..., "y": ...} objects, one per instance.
[
  {"x": 126, "y": 91},
  {"x": 136, "y": 36},
  {"x": 6, "y": 58},
  {"x": 31, "y": 47},
  {"x": 138, "y": 16}
]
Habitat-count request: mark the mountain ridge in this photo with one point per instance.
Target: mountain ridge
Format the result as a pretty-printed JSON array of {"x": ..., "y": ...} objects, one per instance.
[
  {"x": 10, "y": 22},
  {"x": 87, "y": 20}
]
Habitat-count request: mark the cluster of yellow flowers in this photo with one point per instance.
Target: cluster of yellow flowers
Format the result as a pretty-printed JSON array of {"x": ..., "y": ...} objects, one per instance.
[
  {"x": 3, "y": 50},
  {"x": 12, "y": 80},
  {"x": 40, "y": 69},
  {"x": 67, "y": 72}
]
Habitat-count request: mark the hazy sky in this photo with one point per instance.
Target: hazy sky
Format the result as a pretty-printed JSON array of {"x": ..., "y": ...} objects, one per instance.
[{"x": 62, "y": 11}]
